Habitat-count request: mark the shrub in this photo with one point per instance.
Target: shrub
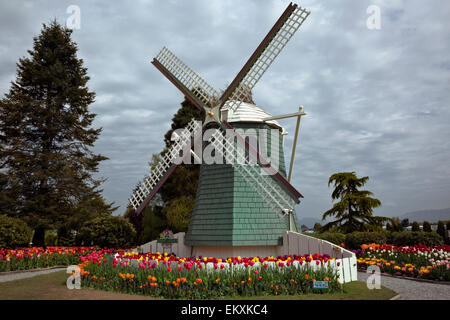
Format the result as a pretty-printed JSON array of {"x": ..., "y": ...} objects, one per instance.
[
  {"x": 413, "y": 238},
  {"x": 354, "y": 240},
  {"x": 441, "y": 229},
  {"x": 14, "y": 233},
  {"x": 415, "y": 226},
  {"x": 109, "y": 232},
  {"x": 427, "y": 226},
  {"x": 333, "y": 237},
  {"x": 51, "y": 239}
]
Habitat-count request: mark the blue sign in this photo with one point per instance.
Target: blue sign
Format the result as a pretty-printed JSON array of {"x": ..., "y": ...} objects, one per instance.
[{"x": 320, "y": 284}]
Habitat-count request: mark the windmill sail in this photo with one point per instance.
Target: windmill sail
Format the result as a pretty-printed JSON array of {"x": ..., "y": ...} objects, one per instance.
[
  {"x": 277, "y": 38},
  {"x": 164, "y": 168},
  {"x": 185, "y": 79}
]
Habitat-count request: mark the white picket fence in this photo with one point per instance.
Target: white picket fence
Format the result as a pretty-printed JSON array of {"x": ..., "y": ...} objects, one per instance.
[{"x": 342, "y": 260}]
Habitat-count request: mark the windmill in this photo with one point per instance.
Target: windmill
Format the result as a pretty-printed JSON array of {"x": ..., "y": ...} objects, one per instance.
[{"x": 240, "y": 207}]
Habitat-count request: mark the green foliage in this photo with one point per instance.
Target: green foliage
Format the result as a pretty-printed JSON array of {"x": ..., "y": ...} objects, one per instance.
[
  {"x": 109, "y": 232},
  {"x": 47, "y": 135},
  {"x": 153, "y": 223},
  {"x": 415, "y": 226},
  {"x": 333, "y": 237},
  {"x": 356, "y": 239},
  {"x": 413, "y": 238},
  {"x": 179, "y": 213},
  {"x": 65, "y": 237},
  {"x": 14, "y": 233},
  {"x": 426, "y": 226},
  {"x": 441, "y": 229},
  {"x": 354, "y": 210},
  {"x": 137, "y": 221}
]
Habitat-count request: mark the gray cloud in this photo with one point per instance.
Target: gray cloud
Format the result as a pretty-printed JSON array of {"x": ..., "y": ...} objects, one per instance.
[{"x": 377, "y": 100}]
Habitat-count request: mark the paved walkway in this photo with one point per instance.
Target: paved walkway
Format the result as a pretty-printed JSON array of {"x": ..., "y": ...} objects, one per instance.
[
  {"x": 413, "y": 290},
  {"x": 23, "y": 275}
]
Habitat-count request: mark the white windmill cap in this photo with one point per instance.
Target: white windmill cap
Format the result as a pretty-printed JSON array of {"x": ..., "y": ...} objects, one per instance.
[{"x": 247, "y": 112}]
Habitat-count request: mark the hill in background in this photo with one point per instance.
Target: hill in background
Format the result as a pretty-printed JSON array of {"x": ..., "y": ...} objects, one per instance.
[{"x": 428, "y": 215}]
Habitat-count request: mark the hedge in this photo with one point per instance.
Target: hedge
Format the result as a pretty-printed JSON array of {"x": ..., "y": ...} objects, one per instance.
[
  {"x": 414, "y": 237},
  {"x": 354, "y": 240}
]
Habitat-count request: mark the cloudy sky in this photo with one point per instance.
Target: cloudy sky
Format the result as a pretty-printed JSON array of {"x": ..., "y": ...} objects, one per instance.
[{"x": 377, "y": 100}]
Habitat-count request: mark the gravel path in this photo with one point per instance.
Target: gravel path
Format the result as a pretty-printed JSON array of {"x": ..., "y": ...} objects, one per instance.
[
  {"x": 413, "y": 290},
  {"x": 23, "y": 275}
]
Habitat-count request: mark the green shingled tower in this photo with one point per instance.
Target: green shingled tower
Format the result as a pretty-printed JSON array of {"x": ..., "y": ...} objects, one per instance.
[{"x": 228, "y": 212}]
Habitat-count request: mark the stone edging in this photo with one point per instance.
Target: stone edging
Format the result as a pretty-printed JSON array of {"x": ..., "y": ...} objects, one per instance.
[
  {"x": 409, "y": 278},
  {"x": 30, "y": 270},
  {"x": 396, "y": 297}
]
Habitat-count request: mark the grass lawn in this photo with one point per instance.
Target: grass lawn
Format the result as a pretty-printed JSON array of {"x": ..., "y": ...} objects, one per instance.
[
  {"x": 52, "y": 286},
  {"x": 352, "y": 291}
]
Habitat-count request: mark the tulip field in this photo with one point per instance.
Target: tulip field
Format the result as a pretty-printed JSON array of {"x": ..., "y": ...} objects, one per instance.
[
  {"x": 419, "y": 261},
  {"x": 160, "y": 275},
  {"x": 167, "y": 276}
]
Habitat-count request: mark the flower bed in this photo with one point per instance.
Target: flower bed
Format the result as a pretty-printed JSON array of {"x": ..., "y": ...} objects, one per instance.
[
  {"x": 36, "y": 258},
  {"x": 205, "y": 278},
  {"x": 419, "y": 261},
  {"x": 162, "y": 275}
]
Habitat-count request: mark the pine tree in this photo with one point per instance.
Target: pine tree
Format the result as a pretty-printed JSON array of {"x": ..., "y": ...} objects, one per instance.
[
  {"x": 354, "y": 210},
  {"x": 46, "y": 135}
]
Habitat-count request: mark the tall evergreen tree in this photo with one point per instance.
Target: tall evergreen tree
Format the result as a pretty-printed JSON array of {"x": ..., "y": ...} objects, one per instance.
[
  {"x": 46, "y": 135},
  {"x": 354, "y": 210}
]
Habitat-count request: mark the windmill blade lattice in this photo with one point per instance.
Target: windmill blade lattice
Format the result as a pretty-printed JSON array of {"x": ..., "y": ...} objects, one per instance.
[
  {"x": 263, "y": 57},
  {"x": 162, "y": 168},
  {"x": 267, "y": 188},
  {"x": 186, "y": 76}
]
